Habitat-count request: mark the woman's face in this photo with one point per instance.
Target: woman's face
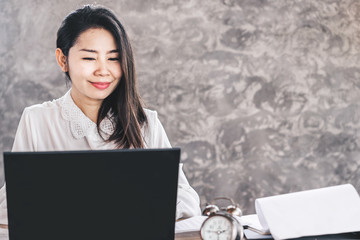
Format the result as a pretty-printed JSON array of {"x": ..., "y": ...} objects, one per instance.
[{"x": 94, "y": 66}]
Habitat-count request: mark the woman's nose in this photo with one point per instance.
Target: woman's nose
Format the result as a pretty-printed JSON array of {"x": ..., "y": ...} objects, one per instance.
[{"x": 101, "y": 68}]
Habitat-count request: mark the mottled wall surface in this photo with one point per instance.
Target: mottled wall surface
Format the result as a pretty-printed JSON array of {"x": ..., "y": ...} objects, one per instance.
[{"x": 262, "y": 96}]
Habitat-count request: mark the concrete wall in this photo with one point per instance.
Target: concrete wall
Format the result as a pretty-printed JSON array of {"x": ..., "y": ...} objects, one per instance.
[{"x": 262, "y": 96}]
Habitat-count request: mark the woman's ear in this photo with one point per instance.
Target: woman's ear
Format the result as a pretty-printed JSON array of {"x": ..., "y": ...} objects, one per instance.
[{"x": 61, "y": 59}]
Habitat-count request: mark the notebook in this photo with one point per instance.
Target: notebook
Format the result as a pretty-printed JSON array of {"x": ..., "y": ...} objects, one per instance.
[{"x": 113, "y": 194}]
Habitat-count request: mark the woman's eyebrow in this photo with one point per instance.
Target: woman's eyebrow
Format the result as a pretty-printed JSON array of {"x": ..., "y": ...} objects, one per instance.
[
  {"x": 88, "y": 50},
  {"x": 114, "y": 51},
  {"x": 94, "y": 51}
]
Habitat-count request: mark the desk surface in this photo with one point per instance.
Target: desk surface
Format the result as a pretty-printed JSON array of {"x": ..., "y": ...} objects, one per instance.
[
  {"x": 350, "y": 236},
  {"x": 188, "y": 236},
  {"x": 182, "y": 236}
]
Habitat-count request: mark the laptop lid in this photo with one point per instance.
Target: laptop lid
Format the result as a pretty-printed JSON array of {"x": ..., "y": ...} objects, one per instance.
[{"x": 113, "y": 194}]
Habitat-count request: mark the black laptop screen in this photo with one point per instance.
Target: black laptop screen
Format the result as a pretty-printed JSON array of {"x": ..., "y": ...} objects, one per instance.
[{"x": 117, "y": 194}]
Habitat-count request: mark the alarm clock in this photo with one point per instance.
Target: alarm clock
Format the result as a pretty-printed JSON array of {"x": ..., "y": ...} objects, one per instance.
[{"x": 221, "y": 223}]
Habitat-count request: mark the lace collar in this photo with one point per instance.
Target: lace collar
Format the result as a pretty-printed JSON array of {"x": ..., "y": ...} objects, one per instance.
[{"x": 80, "y": 124}]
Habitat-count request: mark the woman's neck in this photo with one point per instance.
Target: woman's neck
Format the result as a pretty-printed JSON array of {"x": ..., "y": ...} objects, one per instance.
[{"x": 89, "y": 107}]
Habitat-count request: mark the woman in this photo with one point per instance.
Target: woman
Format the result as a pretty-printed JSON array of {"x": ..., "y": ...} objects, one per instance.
[{"x": 103, "y": 109}]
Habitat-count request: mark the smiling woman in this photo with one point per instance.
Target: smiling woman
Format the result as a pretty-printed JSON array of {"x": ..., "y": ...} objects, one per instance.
[
  {"x": 94, "y": 69},
  {"x": 93, "y": 50},
  {"x": 103, "y": 109}
]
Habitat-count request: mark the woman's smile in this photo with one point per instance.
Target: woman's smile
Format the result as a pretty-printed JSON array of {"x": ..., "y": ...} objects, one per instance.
[{"x": 101, "y": 85}]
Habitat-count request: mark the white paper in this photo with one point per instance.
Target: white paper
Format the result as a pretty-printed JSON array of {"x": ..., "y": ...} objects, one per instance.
[
  {"x": 249, "y": 234},
  {"x": 251, "y": 220},
  {"x": 4, "y": 234},
  {"x": 316, "y": 212},
  {"x": 193, "y": 224}
]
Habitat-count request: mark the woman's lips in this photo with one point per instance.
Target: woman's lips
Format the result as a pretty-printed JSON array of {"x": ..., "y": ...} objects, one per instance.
[{"x": 101, "y": 85}]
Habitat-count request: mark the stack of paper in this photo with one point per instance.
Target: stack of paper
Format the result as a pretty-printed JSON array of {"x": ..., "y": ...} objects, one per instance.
[{"x": 316, "y": 212}]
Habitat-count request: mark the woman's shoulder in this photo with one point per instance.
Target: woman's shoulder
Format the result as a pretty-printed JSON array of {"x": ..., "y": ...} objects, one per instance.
[
  {"x": 44, "y": 108},
  {"x": 151, "y": 115},
  {"x": 155, "y": 136}
]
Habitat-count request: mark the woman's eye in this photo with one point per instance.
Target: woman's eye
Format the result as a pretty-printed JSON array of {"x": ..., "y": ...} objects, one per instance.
[
  {"x": 89, "y": 59},
  {"x": 114, "y": 59}
]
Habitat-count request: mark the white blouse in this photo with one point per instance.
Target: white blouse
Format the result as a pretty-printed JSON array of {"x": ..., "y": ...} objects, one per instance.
[{"x": 60, "y": 125}]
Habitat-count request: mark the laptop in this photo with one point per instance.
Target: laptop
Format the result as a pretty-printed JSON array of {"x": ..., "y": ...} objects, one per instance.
[{"x": 112, "y": 194}]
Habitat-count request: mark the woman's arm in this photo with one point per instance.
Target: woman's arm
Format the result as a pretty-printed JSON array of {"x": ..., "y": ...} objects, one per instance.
[
  {"x": 188, "y": 202},
  {"x": 23, "y": 142}
]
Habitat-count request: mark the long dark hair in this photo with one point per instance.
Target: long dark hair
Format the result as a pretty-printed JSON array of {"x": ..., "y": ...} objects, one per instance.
[{"x": 124, "y": 103}]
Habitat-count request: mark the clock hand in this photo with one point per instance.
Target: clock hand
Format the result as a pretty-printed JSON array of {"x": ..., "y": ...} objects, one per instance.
[
  {"x": 220, "y": 231},
  {"x": 217, "y": 231}
]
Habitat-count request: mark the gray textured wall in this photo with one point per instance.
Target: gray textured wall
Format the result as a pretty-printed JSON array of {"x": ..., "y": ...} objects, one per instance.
[{"x": 262, "y": 96}]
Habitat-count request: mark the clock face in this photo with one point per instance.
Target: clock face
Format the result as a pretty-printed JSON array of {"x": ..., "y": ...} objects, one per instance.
[{"x": 217, "y": 228}]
